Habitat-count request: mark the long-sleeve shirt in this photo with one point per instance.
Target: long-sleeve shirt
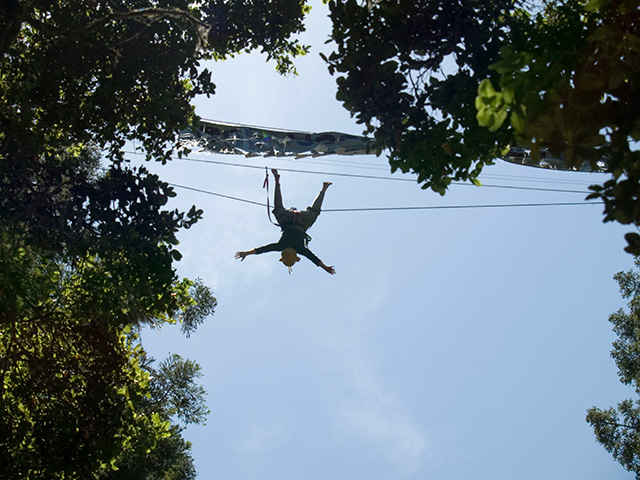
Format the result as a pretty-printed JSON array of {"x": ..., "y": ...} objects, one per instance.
[{"x": 294, "y": 238}]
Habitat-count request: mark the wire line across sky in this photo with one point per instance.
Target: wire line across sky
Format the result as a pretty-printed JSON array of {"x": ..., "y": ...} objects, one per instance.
[
  {"x": 378, "y": 177},
  {"x": 425, "y": 207},
  {"x": 372, "y": 177}
]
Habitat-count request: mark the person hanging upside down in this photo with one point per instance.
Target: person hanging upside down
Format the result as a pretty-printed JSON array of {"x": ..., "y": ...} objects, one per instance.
[{"x": 294, "y": 225}]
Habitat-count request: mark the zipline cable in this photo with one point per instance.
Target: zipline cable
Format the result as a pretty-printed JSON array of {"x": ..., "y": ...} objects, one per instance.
[
  {"x": 528, "y": 178},
  {"x": 376, "y": 177},
  {"x": 451, "y": 207},
  {"x": 217, "y": 194},
  {"x": 370, "y": 209},
  {"x": 372, "y": 177}
]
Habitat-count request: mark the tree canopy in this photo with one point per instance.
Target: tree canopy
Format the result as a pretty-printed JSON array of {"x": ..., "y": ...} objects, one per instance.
[
  {"x": 447, "y": 87},
  {"x": 569, "y": 81},
  {"x": 410, "y": 71},
  {"x": 79, "y": 395},
  {"x": 88, "y": 244},
  {"x": 618, "y": 429},
  {"x": 114, "y": 71}
]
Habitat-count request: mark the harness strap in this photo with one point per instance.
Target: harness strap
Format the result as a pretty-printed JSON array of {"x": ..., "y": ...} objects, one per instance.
[{"x": 266, "y": 185}]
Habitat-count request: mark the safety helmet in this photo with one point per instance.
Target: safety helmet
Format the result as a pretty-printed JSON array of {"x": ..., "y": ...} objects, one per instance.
[{"x": 289, "y": 257}]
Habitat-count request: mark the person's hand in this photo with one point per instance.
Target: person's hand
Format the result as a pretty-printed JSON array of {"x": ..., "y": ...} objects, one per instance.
[
  {"x": 241, "y": 255},
  {"x": 328, "y": 268},
  {"x": 326, "y": 185},
  {"x": 275, "y": 174}
]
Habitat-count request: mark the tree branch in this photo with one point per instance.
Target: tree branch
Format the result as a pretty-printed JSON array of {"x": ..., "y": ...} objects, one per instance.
[
  {"x": 149, "y": 16},
  {"x": 145, "y": 16},
  {"x": 11, "y": 17}
]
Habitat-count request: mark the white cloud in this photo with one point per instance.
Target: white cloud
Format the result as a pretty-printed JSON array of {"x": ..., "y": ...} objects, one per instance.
[
  {"x": 265, "y": 435},
  {"x": 402, "y": 441},
  {"x": 374, "y": 415}
]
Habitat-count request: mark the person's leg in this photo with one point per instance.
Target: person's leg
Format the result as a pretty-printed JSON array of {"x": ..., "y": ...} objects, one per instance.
[
  {"x": 317, "y": 203},
  {"x": 277, "y": 196},
  {"x": 311, "y": 214},
  {"x": 283, "y": 216}
]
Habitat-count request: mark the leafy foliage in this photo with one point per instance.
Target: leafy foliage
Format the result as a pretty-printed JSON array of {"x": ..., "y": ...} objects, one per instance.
[
  {"x": 449, "y": 86},
  {"x": 112, "y": 224},
  {"x": 112, "y": 71},
  {"x": 618, "y": 429},
  {"x": 170, "y": 460},
  {"x": 569, "y": 81},
  {"x": 201, "y": 304},
  {"x": 172, "y": 392},
  {"x": 80, "y": 270},
  {"x": 257, "y": 24},
  {"x": 78, "y": 395},
  {"x": 88, "y": 245},
  {"x": 70, "y": 384},
  {"x": 410, "y": 70}
]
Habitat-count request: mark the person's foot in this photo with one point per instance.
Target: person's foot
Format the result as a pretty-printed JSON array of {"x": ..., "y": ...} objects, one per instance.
[{"x": 275, "y": 174}]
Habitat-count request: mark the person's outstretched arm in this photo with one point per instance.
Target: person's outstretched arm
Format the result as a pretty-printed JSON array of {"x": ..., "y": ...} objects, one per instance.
[
  {"x": 272, "y": 247},
  {"x": 305, "y": 252},
  {"x": 243, "y": 255},
  {"x": 327, "y": 268}
]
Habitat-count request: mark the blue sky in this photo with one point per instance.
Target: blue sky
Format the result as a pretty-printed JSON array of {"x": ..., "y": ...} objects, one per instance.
[{"x": 450, "y": 344}]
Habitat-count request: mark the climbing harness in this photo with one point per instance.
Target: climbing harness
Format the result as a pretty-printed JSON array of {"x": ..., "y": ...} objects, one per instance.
[{"x": 296, "y": 214}]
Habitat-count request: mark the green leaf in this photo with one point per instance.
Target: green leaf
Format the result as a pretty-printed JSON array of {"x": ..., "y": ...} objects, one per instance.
[
  {"x": 595, "y": 5},
  {"x": 498, "y": 120},
  {"x": 517, "y": 122},
  {"x": 485, "y": 117},
  {"x": 631, "y": 41},
  {"x": 508, "y": 95},
  {"x": 616, "y": 79},
  {"x": 485, "y": 89}
]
